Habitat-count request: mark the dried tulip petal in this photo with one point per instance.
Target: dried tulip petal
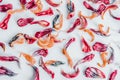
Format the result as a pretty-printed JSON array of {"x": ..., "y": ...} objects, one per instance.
[
  {"x": 87, "y": 58},
  {"x": 42, "y": 64},
  {"x": 28, "y": 57},
  {"x": 10, "y": 59},
  {"x": 85, "y": 47},
  {"x": 100, "y": 47},
  {"x": 76, "y": 23},
  {"x": 2, "y": 45},
  {"x": 41, "y": 52},
  {"x": 50, "y": 2},
  {"x": 93, "y": 72},
  {"x": 71, "y": 75},
  {"x": 40, "y": 34},
  {"x": 30, "y": 4},
  {"x": 116, "y": 18},
  {"x": 111, "y": 58},
  {"x": 4, "y": 23},
  {"x": 5, "y": 7},
  {"x": 5, "y": 71},
  {"x": 30, "y": 40},
  {"x": 113, "y": 75}
]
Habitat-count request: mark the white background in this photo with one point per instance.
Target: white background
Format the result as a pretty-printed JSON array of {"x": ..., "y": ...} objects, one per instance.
[{"x": 26, "y": 72}]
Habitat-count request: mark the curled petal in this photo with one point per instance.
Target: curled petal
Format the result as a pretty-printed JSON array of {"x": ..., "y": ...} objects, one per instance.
[
  {"x": 113, "y": 75},
  {"x": 93, "y": 72},
  {"x": 116, "y": 18},
  {"x": 28, "y": 57},
  {"x": 40, "y": 34},
  {"x": 30, "y": 40},
  {"x": 24, "y": 21},
  {"x": 17, "y": 39},
  {"x": 90, "y": 33},
  {"x": 2, "y": 45},
  {"x": 87, "y": 58},
  {"x": 100, "y": 47},
  {"x": 10, "y": 59},
  {"x": 42, "y": 64},
  {"x": 76, "y": 23},
  {"x": 47, "y": 43},
  {"x": 92, "y": 16},
  {"x": 5, "y": 71},
  {"x": 41, "y": 52},
  {"x": 104, "y": 59},
  {"x": 96, "y": 12},
  {"x": 83, "y": 21},
  {"x": 50, "y": 2},
  {"x": 101, "y": 30},
  {"x": 108, "y": 8},
  {"x": 70, "y": 62},
  {"x": 36, "y": 75},
  {"x": 59, "y": 18},
  {"x": 85, "y": 47},
  {"x": 69, "y": 42},
  {"x": 111, "y": 58},
  {"x": 71, "y": 75}
]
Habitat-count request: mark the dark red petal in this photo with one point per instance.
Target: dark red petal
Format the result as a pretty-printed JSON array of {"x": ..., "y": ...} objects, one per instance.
[
  {"x": 76, "y": 23},
  {"x": 0, "y": 0},
  {"x": 30, "y": 4},
  {"x": 69, "y": 42},
  {"x": 113, "y": 75},
  {"x": 93, "y": 72},
  {"x": 117, "y": 18},
  {"x": 50, "y": 2},
  {"x": 41, "y": 52},
  {"x": 100, "y": 47},
  {"x": 85, "y": 47},
  {"x": 30, "y": 40},
  {"x": 73, "y": 75},
  {"x": 4, "y": 23},
  {"x": 22, "y": 22},
  {"x": 23, "y": 2},
  {"x": 101, "y": 8},
  {"x": 88, "y": 6},
  {"x": 5, "y": 7},
  {"x": 43, "y": 33},
  {"x": 29, "y": 20}
]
